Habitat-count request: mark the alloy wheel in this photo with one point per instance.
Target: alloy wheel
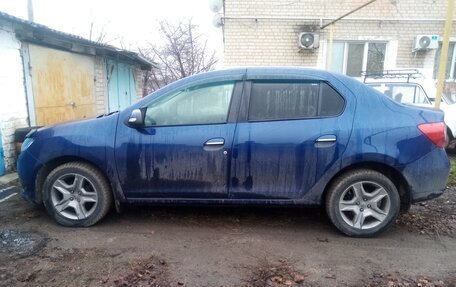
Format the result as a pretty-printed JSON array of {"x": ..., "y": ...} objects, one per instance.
[
  {"x": 74, "y": 196},
  {"x": 364, "y": 205}
]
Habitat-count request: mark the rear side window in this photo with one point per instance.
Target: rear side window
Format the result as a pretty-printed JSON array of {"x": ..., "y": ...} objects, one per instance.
[{"x": 279, "y": 101}]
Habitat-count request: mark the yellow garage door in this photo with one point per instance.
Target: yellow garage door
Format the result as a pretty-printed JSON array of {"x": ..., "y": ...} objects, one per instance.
[{"x": 63, "y": 85}]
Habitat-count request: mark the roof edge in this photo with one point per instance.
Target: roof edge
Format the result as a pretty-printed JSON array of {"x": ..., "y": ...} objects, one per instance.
[{"x": 40, "y": 34}]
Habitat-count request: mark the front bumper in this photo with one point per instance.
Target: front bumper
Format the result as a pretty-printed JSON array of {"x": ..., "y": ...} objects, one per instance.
[
  {"x": 27, "y": 168},
  {"x": 26, "y": 196}
]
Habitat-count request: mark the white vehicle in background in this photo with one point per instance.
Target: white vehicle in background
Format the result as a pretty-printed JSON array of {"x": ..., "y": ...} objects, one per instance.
[{"x": 409, "y": 86}]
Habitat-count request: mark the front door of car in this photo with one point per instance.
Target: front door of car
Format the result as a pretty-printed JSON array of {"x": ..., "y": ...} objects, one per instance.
[
  {"x": 182, "y": 149},
  {"x": 290, "y": 133}
]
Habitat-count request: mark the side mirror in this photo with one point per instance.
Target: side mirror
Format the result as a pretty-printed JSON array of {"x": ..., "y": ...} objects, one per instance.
[{"x": 136, "y": 118}]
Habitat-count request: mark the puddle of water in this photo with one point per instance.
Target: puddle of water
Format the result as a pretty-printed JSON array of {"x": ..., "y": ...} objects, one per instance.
[{"x": 15, "y": 243}]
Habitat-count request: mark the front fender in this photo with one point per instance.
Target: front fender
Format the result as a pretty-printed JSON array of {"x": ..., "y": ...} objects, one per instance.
[{"x": 90, "y": 140}]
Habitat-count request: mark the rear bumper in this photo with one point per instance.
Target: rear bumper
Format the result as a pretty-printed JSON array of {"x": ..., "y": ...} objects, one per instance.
[
  {"x": 417, "y": 197},
  {"x": 427, "y": 177}
]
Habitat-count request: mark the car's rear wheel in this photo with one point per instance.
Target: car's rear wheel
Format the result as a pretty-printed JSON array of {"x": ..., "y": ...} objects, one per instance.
[
  {"x": 362, "y": 203},
  {"x": 448, "y": 139},
  {"x": 76, "y": 194}
]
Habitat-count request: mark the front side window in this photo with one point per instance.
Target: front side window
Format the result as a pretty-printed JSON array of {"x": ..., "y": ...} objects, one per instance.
[
  {"x": 278, "y": 101},
  {"x": 204, "y": 104},
  {"x": 404, "y": 94},
  {"x": 420, "y": 96},
  {"x": 350, "y": 58}
]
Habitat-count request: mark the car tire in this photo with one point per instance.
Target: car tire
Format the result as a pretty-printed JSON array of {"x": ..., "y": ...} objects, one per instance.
[
  {"x": 449, "y": 141},
  {"x": 77, "y": 194},
  {"x": 362, "y": 203}
]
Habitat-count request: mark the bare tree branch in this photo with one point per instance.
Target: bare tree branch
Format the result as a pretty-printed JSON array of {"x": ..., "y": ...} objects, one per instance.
[
  {"x": 182, "y": 54},
  {"x": 101, "y": 35}
]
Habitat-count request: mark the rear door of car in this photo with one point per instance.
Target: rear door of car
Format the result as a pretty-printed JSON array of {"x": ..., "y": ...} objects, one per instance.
[{"x": 289, "y": 133}]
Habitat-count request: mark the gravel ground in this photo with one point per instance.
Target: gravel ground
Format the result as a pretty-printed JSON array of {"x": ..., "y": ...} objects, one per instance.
[
  {"x": 16, "y": 244},
  {"x": 435, "y": 217},
  {"x": 251, "y": 247}
]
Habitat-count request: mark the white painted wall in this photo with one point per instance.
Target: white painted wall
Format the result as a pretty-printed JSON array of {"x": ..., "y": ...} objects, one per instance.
[{"x": 13, "y": 105}]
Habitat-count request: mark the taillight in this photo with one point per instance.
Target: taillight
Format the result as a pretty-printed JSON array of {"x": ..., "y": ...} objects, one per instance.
[{"x": 435, "y": 132}]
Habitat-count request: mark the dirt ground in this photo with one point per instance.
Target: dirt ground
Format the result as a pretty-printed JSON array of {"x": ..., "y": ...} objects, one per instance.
[{"x": 214, "y": 246}]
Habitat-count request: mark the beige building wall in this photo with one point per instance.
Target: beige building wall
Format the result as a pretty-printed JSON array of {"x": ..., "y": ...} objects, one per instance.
[{"x": 266, "y": 32}]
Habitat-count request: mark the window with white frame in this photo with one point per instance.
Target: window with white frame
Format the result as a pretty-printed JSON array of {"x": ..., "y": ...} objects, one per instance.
[
  {"x": 350, "y": 58},
  {"x": 450, "y": 71}
]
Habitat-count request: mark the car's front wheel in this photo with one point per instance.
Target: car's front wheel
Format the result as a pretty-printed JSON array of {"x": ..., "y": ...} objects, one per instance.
[
  {"x": 76, "y": 194},
  {"x": 362, "y": 203}
]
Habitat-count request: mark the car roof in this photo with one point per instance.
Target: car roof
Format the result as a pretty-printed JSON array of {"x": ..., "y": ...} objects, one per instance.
[
  {"x": 252, "y": 73},
  {"x": 265, "y": 71}
]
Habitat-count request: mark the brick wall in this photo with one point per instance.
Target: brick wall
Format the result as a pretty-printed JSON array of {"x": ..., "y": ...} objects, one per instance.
[
  {"x": 13, "y": 107},
  {"x": 266, "y": 32},
  {"x": 101, "y": 89},
  {"x": 139, "y": 81}
]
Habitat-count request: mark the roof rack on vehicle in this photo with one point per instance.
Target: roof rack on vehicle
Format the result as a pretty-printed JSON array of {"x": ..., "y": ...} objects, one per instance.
[{"x": 393, "y": 74}]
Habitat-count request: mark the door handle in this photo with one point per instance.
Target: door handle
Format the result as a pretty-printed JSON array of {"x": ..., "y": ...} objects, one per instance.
[
  {"x": 215, "y": 142},
  {"x": 326, "y": 139}
]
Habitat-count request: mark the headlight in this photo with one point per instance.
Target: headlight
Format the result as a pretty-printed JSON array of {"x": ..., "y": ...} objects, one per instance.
[
  {"x": 31, "y": 133},
  {"x": 27, "y": 142}
]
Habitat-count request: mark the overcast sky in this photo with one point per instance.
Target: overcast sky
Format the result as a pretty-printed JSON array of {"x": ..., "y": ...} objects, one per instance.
[{"x": 131, "y": 23}]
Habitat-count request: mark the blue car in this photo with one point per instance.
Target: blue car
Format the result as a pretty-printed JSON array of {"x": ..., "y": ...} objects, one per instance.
[{"x": 245, "y": 136}]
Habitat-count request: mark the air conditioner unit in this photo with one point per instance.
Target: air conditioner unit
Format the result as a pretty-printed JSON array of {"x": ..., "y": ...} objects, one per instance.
[
  {"x": 309, "y": 40},
  {"x": 426, "y": 42}
]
